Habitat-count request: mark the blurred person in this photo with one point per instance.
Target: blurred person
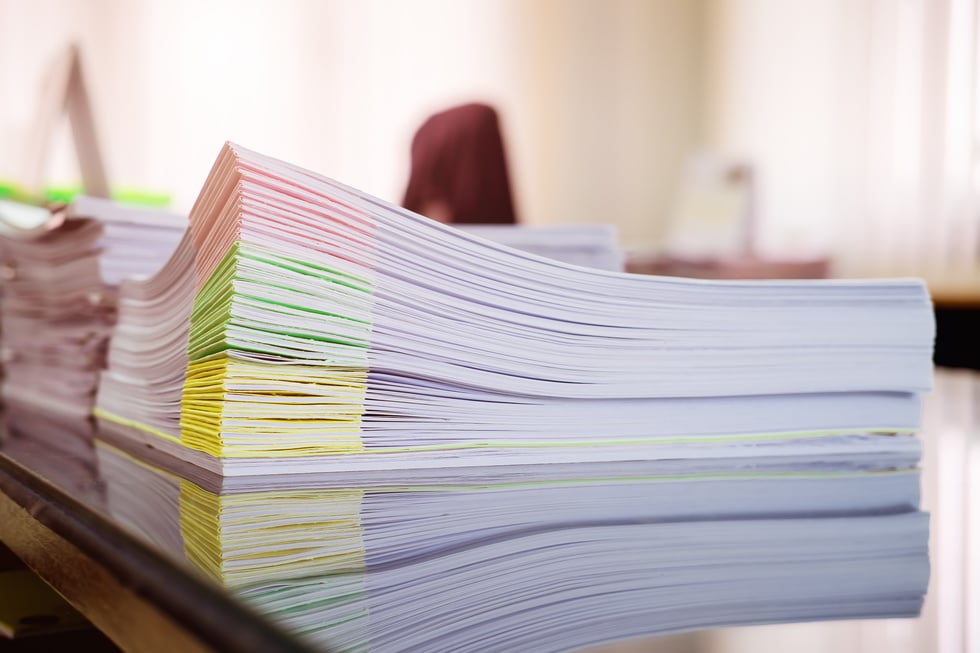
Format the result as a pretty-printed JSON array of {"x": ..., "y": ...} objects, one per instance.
[{"x": 459, "y": 168}]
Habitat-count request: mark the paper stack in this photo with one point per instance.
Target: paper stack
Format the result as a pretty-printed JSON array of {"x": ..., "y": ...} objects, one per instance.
[
  {"x": 59, "y": 297},
  {"x": 402, "y": 435},
  {"x": 135, "y": 242},
  {"x": 303, "y": 326},
  {"x": 56, "y": 317},
  {"x": 148, "y": 358},
  {"x": 591, "y": 246},
  {"x": 524, "y": 562}
]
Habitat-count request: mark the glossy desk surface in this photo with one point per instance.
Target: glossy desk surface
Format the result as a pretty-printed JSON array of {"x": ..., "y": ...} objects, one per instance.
[{"x": 132, "y": 544}]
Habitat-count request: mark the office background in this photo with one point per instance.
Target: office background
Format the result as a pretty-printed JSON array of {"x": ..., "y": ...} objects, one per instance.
[{"x": 859, "y": 118}]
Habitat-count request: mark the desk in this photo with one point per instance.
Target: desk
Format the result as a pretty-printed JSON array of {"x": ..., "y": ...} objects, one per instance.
[
  {"x": 957, "y": 324},
  {"x": 83, "y": 522},
  {"x": 53, "y": 516}
]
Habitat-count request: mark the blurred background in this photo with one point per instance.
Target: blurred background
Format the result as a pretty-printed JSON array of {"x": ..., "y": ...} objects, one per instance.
[
  {"x": 857, "y": 118},
  {"x": 840, "y": 131}
]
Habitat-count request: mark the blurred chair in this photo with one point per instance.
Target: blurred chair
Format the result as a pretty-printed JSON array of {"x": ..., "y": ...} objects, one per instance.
[{"x": 459, "y": 168}]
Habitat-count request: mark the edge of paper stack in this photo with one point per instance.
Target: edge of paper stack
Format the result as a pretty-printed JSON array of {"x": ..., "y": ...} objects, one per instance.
[
  {"x": 302, "y": 325},
  {"x": 61, "y": 272}
]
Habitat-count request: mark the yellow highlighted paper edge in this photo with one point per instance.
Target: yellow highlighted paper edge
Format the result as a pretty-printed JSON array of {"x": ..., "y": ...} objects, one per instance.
[
  {"x": 203, "y": 409},
  {"x": 111, "y": 417}
]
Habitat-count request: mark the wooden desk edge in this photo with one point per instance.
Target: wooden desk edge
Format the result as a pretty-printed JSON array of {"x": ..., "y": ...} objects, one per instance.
[
  {"x": 139, "y": 610},
  {"x": 126, "y": 618},
  {"x": 955, "y": 296}
]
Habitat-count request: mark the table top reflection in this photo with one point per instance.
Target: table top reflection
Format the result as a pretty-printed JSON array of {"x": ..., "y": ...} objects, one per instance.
[{"x": 373, "y": 563}]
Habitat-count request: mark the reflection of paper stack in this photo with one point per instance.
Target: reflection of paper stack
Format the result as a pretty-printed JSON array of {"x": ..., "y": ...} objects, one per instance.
[
  {"x": 548, "y": 565},
  {"x": 59, "y": 296},
  {"x": 323, "y": 329},
  {"x": 54, "y": 441},
  {"x": 52, "y": 437}
]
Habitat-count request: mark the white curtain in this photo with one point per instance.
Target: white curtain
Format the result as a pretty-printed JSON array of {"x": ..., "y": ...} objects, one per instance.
[
  {"x": 862, "y": 117},
  {"x": 921, "y": 198}
]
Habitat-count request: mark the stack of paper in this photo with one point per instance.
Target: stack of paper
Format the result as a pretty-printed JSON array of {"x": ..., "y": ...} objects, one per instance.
[
  {"x": 56, "y": 317},
  {"x": 60, "y": 296},
  {"x": 147, "y": 360},
  {"x": 485, "y": 449},
  {"x": 135, "y": 242},
  {"x": 591, "y": 246},
  {"x": 525, "y": 562},
  {"x": 304, "y": 326}
]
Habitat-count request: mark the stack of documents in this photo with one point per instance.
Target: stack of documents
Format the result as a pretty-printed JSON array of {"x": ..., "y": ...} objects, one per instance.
[
  {"x": 591, "y": 246},
  {"x": 303, "y": 326},
  {"x": 389, "y": 433},
  {"x": 59, "y": 300},
  {"x": 56, "y": 317},
  {"x": 546, "y": 562},
  {"x": 135, "y": 242}
]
